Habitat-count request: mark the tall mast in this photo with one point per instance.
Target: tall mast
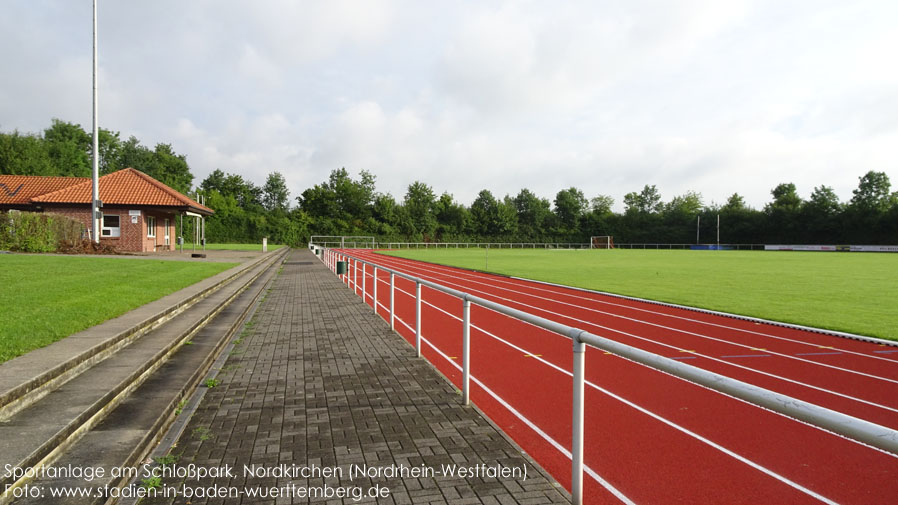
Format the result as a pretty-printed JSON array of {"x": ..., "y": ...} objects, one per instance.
[{"x": 95, "y": 196}]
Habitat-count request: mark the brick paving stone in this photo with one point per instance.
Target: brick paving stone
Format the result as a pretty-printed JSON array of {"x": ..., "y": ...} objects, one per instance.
[{"x": 318, "y": 380}]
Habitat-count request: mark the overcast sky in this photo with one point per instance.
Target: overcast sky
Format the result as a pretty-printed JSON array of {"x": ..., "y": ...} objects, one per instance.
[{"x": 607, "y": 96}]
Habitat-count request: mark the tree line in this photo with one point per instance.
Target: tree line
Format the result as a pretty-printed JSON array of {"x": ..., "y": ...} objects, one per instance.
[{"x": 347, "y": 205}]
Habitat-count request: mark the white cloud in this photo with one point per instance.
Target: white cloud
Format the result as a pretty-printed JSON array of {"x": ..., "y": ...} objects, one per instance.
[{"x": 716, "y": 97}]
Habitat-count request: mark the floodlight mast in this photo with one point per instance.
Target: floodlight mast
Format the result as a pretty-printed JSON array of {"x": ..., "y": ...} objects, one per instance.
[{"x": 95, "y": 194}]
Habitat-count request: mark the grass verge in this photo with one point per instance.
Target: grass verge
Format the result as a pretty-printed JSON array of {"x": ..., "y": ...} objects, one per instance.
[
  {"x": 46, "y": 298},
  {"x": 852, "y": 292}
]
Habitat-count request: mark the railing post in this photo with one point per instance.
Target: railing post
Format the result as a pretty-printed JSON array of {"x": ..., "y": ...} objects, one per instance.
[
  {"x": 392, "y": 298},
  {"x": 375, "y": 289},
  {"x": 418, "y": 318},
  {"x": 355, "y": 277},
  {"x": 364, "y": 271},
  {"x": 466, "y": 353},
  {"x": 578, "y": 419}
]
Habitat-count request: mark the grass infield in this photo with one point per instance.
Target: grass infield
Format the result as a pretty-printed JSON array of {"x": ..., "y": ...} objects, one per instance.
[
  {"x": 46, "y": 298},
  {"x": 851, "y": 292}
]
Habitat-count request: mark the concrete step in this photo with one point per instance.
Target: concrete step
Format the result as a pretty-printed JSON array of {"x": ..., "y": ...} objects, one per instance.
[{"x": 43, "y": 431}]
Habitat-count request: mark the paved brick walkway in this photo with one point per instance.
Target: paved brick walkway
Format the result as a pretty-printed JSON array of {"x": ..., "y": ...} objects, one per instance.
[{"x": 319, "y": 384}]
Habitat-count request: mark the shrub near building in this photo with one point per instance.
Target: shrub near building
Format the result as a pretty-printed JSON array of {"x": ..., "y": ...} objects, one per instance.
[{"x": 36, "y": 233}]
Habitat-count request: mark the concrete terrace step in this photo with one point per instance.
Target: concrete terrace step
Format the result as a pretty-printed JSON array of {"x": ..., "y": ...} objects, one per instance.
[
  {"x": 131, "y": 429},
  {"x": 42, "y": 422}
]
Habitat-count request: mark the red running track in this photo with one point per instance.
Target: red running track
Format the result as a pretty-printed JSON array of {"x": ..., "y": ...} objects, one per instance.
[{"x": 651, "y": 437}]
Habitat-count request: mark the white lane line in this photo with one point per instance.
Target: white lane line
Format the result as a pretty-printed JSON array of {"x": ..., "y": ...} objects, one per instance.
[
  {"x": 501, "y": 280},
  {"x": 712, "y": 358},
  {"x": 545, "y": 436},
  {"x": 648, "y": 323},
  {"x": 643, "y": 410}
]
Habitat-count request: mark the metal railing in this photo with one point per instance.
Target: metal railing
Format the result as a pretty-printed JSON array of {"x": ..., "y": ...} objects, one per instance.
[
  {"x": 663, "y": 246},
  {"x": 872, "y": 434},
  {"x": 368, "y": 243},
  {"x": 483, "y": 245}
]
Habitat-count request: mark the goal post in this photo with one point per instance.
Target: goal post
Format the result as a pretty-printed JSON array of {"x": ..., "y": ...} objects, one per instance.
[{"x": 601, "y": 242}]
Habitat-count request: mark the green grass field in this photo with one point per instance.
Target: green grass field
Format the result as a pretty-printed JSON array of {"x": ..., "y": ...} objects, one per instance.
[
  {"x": 46, "y": 298},
  {"x": 853, "y": 292}
]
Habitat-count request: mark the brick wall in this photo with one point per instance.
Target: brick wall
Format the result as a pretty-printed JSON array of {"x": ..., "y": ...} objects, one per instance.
[
  {"x": 157, "y": 243},
  {"x": 133, "y": 236}
]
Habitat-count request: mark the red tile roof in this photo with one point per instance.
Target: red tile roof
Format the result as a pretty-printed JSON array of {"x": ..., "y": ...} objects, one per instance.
[
  {"x": 124, "y": 187},
  {"x": 20, "y": 189}
]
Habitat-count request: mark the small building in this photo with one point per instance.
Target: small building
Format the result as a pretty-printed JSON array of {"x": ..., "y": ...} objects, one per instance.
[{"x": 139, "y": 212}]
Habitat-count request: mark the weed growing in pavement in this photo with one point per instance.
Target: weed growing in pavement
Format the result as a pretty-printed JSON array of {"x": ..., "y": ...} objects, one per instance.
[
  {"x": 201, "y": 433},
  {"x": 169, "y": 459},
  {"x": 211, "y": 383},
  {"x": 151, "y": 483}
]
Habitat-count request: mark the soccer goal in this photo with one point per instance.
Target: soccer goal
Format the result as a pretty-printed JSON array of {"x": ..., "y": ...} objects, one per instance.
[{"x": 601, "y": 242}]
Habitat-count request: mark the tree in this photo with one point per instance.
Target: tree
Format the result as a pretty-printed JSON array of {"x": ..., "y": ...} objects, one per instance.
[
  {"x": 386, "y": 214},
  {"x": 341, "y": 204},
  {"x": 171, "y": 168},
  {"x": 215, "y": 181},
  {"x": 134, "y": 155},
  {"x": 872, "y": 193},
  {"x": 679, "y": 217},
  {"x": 275, "y": 195},
  {"x": 533, "y": 214},
  {"x": 452, "y": 217},
  {"x": 110, "y": 152},
  {"x": 506, "y": 221},
  {"x": 24, "y": 155},
  {"x": 601, "y": 205},
  {"x": 600, "y": 219},
  {"x": 646, "y": 201},
  {"x": 735, "y": 203},
  {"x": 162, "y": 163},
  {"x": 783, "y": 219},
  {"x": 785, "y": 198},
  {"x": 68, "y": 146},
  {"x": 570, "y": 205},
  {"x": 484, "y": 211},
  {"x": 244, "y": 193},
  {"x": 688, "y": 204},
  {"x": 823, "y": 202},
  {"x": 821, "y": 216},
  {"x": 420, "y": 203}
]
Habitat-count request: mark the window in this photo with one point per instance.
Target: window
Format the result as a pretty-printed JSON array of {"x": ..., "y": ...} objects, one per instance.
[
  {"x": 151, "y": 227},
  {"x": 111, "y": 226}
]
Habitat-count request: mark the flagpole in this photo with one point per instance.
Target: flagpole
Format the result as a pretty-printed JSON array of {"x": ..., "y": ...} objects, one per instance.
[{"x": 95, "y": 195}]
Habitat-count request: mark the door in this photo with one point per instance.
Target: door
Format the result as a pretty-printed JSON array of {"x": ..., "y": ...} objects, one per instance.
[{"x": 167, "y": 233}]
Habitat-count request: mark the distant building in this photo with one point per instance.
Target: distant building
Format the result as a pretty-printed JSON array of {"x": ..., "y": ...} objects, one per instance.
[{"x": 138, "y": 211}]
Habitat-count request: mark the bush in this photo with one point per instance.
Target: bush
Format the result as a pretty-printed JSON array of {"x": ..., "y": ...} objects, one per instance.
[{"x": 34, "y": 232}]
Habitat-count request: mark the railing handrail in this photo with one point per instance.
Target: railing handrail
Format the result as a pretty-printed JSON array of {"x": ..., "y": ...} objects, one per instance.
[
  {"x": 369, "y": 243},
  {"x": 861, "y": 430}
]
